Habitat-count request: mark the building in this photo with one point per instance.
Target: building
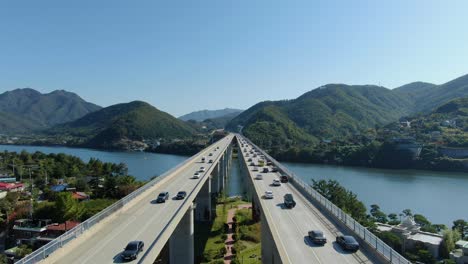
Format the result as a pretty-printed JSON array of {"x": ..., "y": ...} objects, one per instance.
[
  {"x": 80, "y": 196},
  {"x": 11, "y": 187},
  {"x": 55, "y": 230},
  {"x": 455, "y": 153},
  {"x": 25, "y": 231},
  {"x": 411, "y": 234},
  {"x": 460, "y": 254}
]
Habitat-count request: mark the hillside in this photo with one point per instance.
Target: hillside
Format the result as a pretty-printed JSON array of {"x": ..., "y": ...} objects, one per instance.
[
  {"x": 24, "y": 110},
  {"x": 132, "y": 121},
  {"x": 331, "y": 111},
  {"x": 210, "y": 114}
]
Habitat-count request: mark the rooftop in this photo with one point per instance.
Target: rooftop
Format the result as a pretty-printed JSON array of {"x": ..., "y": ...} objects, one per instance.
[{"x": 429, "y": 238}]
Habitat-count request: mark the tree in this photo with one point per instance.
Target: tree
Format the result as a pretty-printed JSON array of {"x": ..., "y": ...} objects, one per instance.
[
  {"x": 461, "y": 226},
  {"x": 67, "y": 208},
  {"x": 391, "y": 239},
  {"x": 393, "y": 219},
  {"x": 407, "y": 212},
  {"x": 448, "y": 243}
]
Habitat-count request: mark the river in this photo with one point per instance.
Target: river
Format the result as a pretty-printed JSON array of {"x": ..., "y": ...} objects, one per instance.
[{"x": 441, "y": 196}]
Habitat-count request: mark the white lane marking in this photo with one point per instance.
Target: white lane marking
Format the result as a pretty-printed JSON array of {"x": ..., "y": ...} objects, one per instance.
[{"x": 106, "y": 241}]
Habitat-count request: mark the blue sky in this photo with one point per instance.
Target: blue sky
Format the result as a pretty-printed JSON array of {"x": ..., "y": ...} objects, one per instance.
[{"x": 182, "y": 56}]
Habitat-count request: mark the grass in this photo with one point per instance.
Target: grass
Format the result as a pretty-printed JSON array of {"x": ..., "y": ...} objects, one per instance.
[
  {"x": 209, "y": 237},
  {"x": 248, "y": 246},
  {"x": 251, "y": 255}
]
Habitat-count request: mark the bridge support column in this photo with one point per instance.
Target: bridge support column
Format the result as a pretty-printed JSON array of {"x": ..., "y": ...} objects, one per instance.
[
  {"x": 203, "y": 203},
  {"x": 181, "y": 243},
  {"x": 215, "y": 180},
  {"x": 269, "y": 251}
]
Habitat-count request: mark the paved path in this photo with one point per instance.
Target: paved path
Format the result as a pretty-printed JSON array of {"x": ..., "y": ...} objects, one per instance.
[{"x": 229, "y": 243}]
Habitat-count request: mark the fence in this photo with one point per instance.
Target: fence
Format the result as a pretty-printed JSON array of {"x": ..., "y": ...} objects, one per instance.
[
  {"x": 373, "y": 241},
  {"x": 44, "y": 251}
]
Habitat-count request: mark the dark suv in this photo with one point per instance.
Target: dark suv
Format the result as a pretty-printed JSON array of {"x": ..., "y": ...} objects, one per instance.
[
  {"x": 317, "y": 237},
  {"x": 162, "y": 197},
  {"x": 132, "y": 249},
  {"x": 289, "y": 201},
  {"x": 347, "y": 242},
  {"x": 181, "y": 195}
]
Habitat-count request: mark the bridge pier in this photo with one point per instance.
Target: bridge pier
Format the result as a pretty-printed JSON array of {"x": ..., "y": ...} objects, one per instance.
[
  {"x": 215, "y": 187},
  {"x": 270, "y": 253},
  {"x": 203, "y": 210},
  {"x": 181, "y": 242}
]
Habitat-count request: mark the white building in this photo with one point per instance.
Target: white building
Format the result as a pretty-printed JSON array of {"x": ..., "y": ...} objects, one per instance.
[{"x": 460, "y": 254}]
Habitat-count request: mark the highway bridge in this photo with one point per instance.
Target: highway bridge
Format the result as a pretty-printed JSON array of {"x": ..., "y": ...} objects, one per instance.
[{"x": 169, "y": 227}]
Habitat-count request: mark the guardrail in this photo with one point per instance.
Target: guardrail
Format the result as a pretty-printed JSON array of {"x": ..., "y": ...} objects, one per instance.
[
  {"x": 372, "y": 240},
  {"x": 44, "y": 251}
]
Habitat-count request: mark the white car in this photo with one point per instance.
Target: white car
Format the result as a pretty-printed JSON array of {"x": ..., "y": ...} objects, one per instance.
[
  {"x": 202, "y": 169},
  {"x": 268, "y": 195},
  {"x": 196, "y": 175},
  {"x": 276, "y": 182},
  {"x": 259, "y": 177}
]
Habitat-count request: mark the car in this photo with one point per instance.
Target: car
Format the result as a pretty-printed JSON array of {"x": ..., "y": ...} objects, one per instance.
[
  {"x": 255, "y": 169},
  {"x": 196, "y": 175},
  {"x": 247, "y": 154},
  {"x": 249, "y": 160},
  {"x": 162, "y": 197},
  {"x": 276, "y": 182},
  {"x": 210, "y": 161},
  {"x": 317, "y": 237},
  {"x": 211, "y": 154},
  {"x": 289, "y": 201},
  {"x": 269, "y": 163},
  {"x": 274, "y": 169},
  {"x": 181, "y": 195},
  {"x": 202, "y": 169},
  {"x": 255, "y": 155},
  {"x": 259, "y": 177},
  {"x": 347, "y": 242},
  {"x": 217, "y": 147},
  {"x": 268, "y": 195},
  {"x": 132, "y": 250},
  {"x": 252, "y": 164},
  {"x": 203, "y": 159},
  {"x": 265, "y": 170},
  {"x": 284, "y": 178}
]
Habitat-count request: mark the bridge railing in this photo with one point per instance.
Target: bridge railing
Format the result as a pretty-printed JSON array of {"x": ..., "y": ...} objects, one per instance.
[
  {"x": 44, "y": 251},
  {"x": 372, "y": 240}
]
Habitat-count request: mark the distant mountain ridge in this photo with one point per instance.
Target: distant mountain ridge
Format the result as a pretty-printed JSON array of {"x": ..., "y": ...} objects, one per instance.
[
  {"x": 25, "y": 110},
  {"x": 133, "y": 121},
  {"x": 202, "y": 115},
  {"x": 334, "y": 111}
]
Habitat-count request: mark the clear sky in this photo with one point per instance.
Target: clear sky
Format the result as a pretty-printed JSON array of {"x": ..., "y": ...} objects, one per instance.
[{"x": 182, "y": 56}]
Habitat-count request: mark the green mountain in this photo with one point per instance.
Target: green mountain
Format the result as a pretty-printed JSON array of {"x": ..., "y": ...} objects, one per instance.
[
  {"x": 331, "y": 111},
  {"x": 24, "y": 110},
  {"x": 132, "y": 121},
  {"x": 210, "y": 114},
  {"x": 335, "y": 111}
]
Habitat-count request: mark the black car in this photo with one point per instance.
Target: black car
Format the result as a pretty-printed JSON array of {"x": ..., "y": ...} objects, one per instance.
[
  {"x": 284, "y": 178},
  {"x": 181, "y": 195},
  {"x": 347, "y": 242},
  {"x": 162, "y": 197},
  {"x": 289, "y": 201},
  {"x": 132, "y": 249},
  {"x": 317, "y": 237},
  {"x": 265, "y": 170}
]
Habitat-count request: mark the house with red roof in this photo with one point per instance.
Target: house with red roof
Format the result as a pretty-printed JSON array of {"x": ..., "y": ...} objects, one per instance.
[{"x": 11, "y": 187}]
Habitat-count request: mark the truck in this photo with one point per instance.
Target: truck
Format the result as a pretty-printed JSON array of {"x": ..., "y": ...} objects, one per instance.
[{"x": 289, "y": 201}]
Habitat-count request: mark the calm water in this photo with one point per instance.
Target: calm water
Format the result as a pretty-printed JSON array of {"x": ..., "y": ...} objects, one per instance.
[
  {"x": 442, "y": 197},
  {"x": 142, "y": 165}
]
